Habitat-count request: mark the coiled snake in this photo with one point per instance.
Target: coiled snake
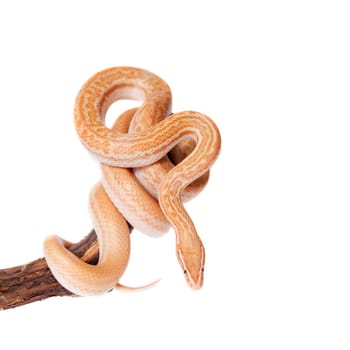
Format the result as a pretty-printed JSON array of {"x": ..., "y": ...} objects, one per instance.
[{"x": 148, "y": 197}]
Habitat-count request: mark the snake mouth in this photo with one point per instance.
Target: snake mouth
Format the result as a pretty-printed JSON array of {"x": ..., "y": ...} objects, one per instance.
[{"x": 195, "y": 282}]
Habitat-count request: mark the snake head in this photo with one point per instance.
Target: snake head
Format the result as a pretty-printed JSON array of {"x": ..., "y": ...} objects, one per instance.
[{"x": 191, "y": 259}]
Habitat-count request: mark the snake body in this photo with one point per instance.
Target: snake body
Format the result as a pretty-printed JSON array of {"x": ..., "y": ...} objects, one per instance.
[{"x": 150, "y": 197}]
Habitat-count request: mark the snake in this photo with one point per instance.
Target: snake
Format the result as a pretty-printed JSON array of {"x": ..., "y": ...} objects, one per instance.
[{"x": 140, "y": 185}]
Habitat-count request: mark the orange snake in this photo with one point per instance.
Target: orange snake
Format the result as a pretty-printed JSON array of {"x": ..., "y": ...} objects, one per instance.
[{"x": 139, "y": 140}]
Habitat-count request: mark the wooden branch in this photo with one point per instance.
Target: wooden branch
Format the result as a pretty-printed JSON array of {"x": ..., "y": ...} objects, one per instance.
[{"x": 31, "y": 282}]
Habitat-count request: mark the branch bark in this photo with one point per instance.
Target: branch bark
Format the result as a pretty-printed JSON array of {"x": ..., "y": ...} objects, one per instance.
[{"x": 32, "y": 282}]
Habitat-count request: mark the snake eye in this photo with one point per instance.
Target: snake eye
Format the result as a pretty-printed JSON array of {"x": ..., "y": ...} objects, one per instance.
[
  {"x": 185, "y": 271},
  {"x": 202, "y": 269}
]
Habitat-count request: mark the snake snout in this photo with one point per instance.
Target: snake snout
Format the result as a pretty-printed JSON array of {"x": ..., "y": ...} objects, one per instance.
[{"x": 195, "y": 281}]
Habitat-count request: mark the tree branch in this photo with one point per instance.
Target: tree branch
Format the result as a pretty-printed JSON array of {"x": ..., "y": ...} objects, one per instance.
[{"x": 34, "y": 281}]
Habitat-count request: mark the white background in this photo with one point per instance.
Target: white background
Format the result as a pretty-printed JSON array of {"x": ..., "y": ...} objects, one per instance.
[{"x": 275, "y": 76}]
